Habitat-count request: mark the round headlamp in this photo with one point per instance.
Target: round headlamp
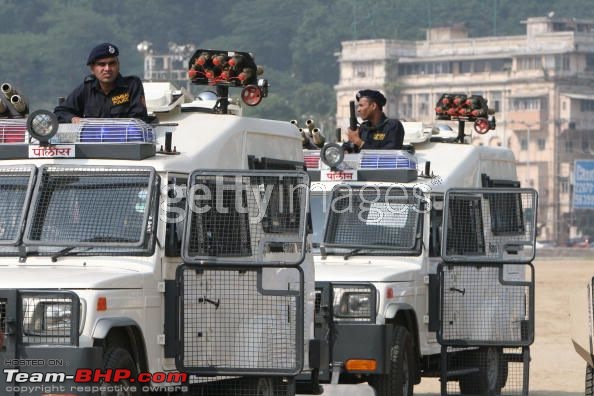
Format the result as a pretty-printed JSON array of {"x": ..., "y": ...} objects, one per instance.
[
  {"x": 332, "y": 155},
  {"x": 42, "y": 125}
]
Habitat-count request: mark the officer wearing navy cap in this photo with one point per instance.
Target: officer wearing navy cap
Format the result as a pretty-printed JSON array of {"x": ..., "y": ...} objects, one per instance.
[
  {"x": 105, "y": 93},
  {"x": 377, "y": 131}
]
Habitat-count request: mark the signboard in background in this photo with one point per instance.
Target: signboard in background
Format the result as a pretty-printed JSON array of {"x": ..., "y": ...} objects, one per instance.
[{"x": 583, "y": 184}]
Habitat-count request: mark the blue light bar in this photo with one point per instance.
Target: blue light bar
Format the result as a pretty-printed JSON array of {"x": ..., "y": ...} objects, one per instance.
[
  {"x": 377, "y": 160},
  {"x": 114, "y": 132}
]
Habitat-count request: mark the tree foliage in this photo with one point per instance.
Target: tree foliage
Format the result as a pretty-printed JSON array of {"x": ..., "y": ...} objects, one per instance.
[{"x": 45, "y": 42}]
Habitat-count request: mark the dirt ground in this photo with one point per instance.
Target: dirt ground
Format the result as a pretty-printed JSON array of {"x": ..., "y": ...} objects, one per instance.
[{"x": 555, "y": 369}]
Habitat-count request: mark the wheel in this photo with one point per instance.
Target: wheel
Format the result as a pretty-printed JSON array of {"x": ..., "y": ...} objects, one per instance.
[
  {"x": 589, "y": 381},
  {"x": 399, "y": 381},
  {"x": 492, "y": 374},
  {"x": 120, "y": 358}
]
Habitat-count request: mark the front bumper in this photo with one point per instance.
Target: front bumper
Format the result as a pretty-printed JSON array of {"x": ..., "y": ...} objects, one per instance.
[{"x": 344, "y": 341}]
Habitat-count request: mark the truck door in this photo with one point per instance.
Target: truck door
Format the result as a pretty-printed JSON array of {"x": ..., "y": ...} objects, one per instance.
[{"x": 486, "y": 313}]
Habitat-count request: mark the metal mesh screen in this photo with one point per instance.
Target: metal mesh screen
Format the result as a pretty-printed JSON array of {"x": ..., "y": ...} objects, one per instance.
[
  {"x": 50, "y": 318},
  {"x": 373, "y": 217},
  {"x": 3, "y": 302},
  {"x": 245, "y": 386},
  {"x": 92, "y": 206},
  {"x": 16, "y": 186},
  {"x": 490, "y": 225},
  {"x": 486, "y": 371},
  {"x": 246, "y": 218},
  {"x": 591, "y": 309},
  {"x": 241, "y": 321},
  {"x": 486, "y": 304}
]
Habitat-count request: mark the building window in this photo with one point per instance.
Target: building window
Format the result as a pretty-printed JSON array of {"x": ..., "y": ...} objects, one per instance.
[
  {"x": 498, "y": 65},
  {"x": 410, "y": 69},
  {"x": 519, "y": 104},
  {"x": 362, "y": 69},
  {"x": 569, "y": 146},
  {"x": 529, "y": 63},
  {"x": 589, "y": 62},
  {"x": 524, "y": 144},
  {"x": 541, "y": 144},
  {"x": 587, "y": 106},
  {"x": 465, "y": 67},
  {"x": 562, "y": 62},
  {"x": 479, "y": 66},
  {"x": 423, "y": 104},
  {"x": 495, "y": 102},
  {"x": 564, "y": 182},
  {"x": 406, "y": 106}
]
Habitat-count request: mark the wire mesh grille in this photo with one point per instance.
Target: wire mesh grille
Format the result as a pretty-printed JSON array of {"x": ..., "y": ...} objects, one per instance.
[
  {"x": 238, "y": 321},
  {"x": 590, "y": 291},
  {"x": 486, "y": 304},
  {"x": 318, "y": 301},
  {"x": 373, "y": 217},
  {"x": 486, "y": 371},
  {"x": 50, "y": 318},
  {"x": 246, "y": 218},
  {"x": 245, "y": 386},
  {"x": 490, "y": 225},
  {"x": 91, "y": 206},
  {"x": 3, "y": 303},
  {"x": 16, "y": 185}
]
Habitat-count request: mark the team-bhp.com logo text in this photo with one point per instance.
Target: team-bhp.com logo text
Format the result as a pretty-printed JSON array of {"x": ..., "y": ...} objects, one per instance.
[{"x": 93, "y": 380}]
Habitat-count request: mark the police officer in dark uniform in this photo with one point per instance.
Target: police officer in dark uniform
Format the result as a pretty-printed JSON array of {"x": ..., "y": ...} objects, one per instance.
[
  {"x": 105, "y": 93},
  {"x": 377, "y": 131}
]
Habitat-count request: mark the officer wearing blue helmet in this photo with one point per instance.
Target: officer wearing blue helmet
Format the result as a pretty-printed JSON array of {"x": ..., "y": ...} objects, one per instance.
[
  {"x": 105, "y": 93},
  {"x": 377, "y": 131}
]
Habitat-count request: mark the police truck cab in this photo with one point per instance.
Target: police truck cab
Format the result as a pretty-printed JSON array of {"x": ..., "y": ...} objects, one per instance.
[
  {"x": 168, "y": 256},
  {"x": 422, "y": 260}
]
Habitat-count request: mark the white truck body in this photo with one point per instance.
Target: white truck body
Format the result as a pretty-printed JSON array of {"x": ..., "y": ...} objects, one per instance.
[
  {"x": 401, "y": 281},
  {"x": 133, "y": 286}
]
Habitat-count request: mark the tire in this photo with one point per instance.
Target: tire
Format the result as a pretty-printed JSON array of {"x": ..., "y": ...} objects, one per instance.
[
  {"x": 589, "y": 381},
  {"x": 399, "y": 381},
  {"x": 492, "y": 374},
  {"x": 119, "y": 358},
  {"x": 264, "y": 387}
]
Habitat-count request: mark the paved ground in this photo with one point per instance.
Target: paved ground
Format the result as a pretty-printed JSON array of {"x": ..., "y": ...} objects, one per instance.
[{"x": 555, "y": 370}]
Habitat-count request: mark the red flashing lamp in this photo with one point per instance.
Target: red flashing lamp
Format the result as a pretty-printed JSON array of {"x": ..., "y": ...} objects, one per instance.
[
  {"x": 202, "y": 59},
  {"x": 481, "y": 126},
  {"x": 251, "y": 95},
  {"x": 218, "y": 60}
]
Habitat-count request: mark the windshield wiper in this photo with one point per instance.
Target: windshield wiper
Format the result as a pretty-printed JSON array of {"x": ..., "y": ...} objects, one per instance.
[
  {"x": 67, "y": 250},
  {"x": 352, "y": 253}
]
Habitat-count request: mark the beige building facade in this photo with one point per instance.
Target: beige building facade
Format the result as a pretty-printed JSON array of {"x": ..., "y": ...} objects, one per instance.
[{"x": 540, "y": 84}]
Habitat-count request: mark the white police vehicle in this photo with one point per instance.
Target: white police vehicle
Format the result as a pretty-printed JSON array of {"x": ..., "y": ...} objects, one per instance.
[
  {"x": 166, "y": 249},
  {"x": 422, "y": 260}
]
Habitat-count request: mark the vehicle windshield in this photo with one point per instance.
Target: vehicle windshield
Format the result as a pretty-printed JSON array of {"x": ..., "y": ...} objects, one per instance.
[
  {"x": 369, "y": 219},
  {"x": 90, "y": 210}
]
